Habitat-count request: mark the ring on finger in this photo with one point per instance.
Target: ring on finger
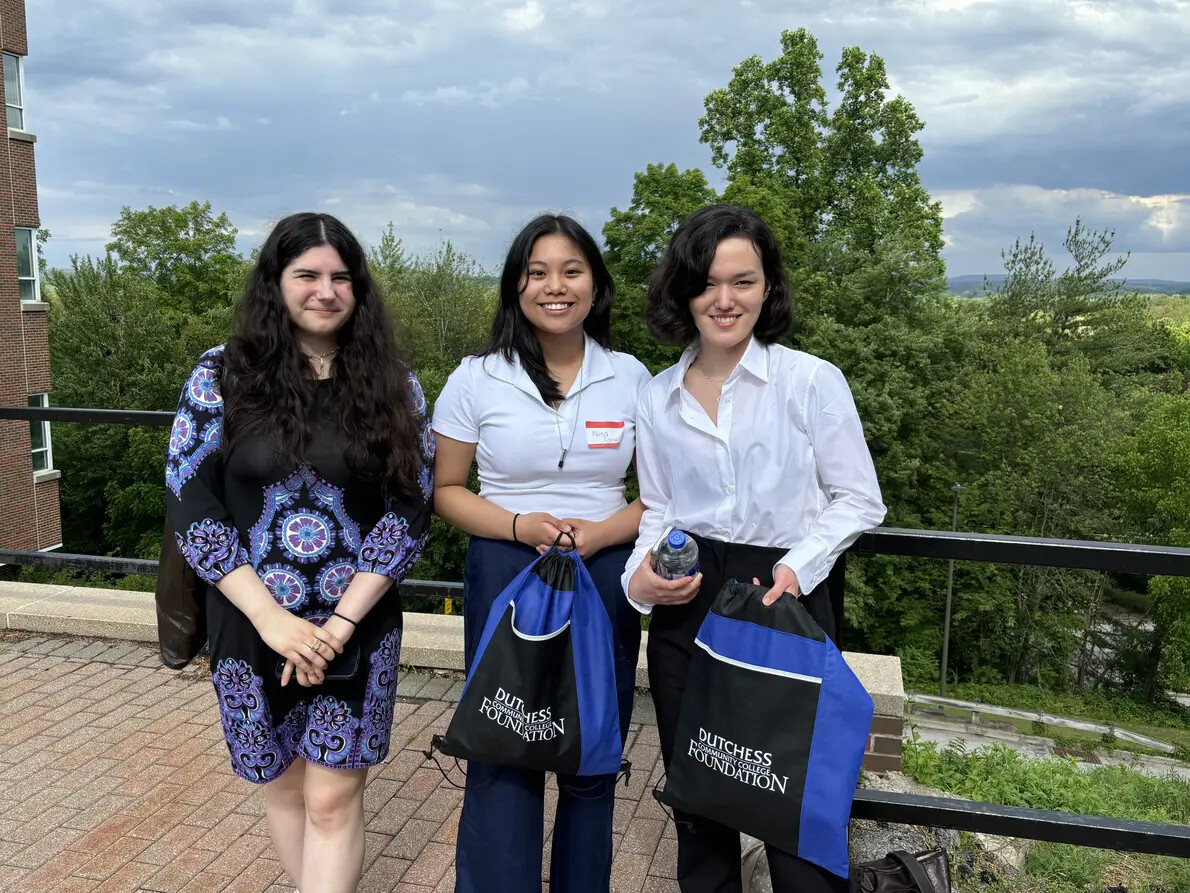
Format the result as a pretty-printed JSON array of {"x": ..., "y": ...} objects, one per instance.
[{"x": 314, "y": 646}]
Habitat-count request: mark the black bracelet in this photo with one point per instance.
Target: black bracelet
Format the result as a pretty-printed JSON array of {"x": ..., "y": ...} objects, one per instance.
[
  {"x": 514, "y": 517},
  {"x": 341, "y": 617}
]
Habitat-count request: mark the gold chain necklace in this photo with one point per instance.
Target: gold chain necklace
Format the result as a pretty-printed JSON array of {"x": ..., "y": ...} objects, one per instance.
[
  {"x": 717, "y": 382},
  {"x": 319, "y": 359}
]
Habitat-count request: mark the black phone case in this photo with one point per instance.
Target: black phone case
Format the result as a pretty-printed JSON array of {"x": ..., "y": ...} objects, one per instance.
[{"x": 344, "y": 666}]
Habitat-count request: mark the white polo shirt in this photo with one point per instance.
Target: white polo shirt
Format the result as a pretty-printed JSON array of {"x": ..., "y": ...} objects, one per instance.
[{"x": 519, "y": 439}]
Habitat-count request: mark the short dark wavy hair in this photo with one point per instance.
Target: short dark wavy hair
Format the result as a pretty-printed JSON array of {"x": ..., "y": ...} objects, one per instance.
[{"x": 681, "y": 275}]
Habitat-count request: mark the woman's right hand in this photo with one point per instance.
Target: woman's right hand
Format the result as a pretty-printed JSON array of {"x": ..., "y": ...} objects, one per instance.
[
  {"x": 645, "y": 587},
  {"x": 292, "y": 637},
  {"x": 538, "y": 529}
]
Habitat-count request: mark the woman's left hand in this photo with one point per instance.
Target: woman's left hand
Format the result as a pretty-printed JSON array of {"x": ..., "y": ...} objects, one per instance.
[
  {"x": 784, "y": 582},
  {"x": 588, "y": 536}
]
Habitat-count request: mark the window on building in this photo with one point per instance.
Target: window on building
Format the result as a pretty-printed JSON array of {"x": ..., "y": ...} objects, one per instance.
[
  {"x": 14, "y": 90},
  {"x": 39, "y": 436},
  {"x": 26, "y": 241}
]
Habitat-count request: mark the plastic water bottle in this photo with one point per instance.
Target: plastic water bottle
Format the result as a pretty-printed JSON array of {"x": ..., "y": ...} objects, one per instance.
[{"x": 677, "y": 557}]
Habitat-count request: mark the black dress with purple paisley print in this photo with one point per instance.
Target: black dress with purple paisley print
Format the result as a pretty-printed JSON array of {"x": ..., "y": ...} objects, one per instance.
[{"x": 307, "y": 532}]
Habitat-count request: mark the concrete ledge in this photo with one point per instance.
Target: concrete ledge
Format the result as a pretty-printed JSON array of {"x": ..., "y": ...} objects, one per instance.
[
  {"x": 430, "y": 641},
  {"x": 433, "y": 641},
  {"x": 77, "y": 611}
]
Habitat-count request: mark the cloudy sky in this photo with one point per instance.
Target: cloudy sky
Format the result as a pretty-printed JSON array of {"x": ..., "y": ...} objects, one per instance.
[{"x": 462, "y": 118}]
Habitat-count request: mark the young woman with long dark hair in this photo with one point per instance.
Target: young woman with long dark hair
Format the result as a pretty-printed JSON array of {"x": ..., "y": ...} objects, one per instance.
[
  {"x": 299, "y": 477},
  {"x": 755, "y": 450},
  {"x": 548, "y": 411}
]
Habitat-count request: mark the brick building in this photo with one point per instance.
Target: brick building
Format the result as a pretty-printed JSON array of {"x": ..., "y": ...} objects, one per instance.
[{"x": 29, "y": 517}]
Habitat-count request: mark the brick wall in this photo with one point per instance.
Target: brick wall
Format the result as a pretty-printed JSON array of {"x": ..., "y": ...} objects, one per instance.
[
  {"x": 30, "y": 519},
  {"x": 49, "y": 520},
  {"x": 24, "y": 184},
  {"x": 12, "y": 26},
  {"x": 883, "y": 753}
]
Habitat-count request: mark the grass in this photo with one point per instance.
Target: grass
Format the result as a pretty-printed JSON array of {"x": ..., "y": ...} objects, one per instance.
[{"x": 998, "y": 774}]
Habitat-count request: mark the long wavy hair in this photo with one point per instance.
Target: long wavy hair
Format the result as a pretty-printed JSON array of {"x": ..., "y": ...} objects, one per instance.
[
  {"x": 268, "y": 384},
  {"x": 513, "y": 336}
]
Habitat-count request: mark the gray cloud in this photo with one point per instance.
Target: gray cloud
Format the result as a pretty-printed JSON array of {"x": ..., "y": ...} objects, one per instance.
[{"x": 461, "y": 118}]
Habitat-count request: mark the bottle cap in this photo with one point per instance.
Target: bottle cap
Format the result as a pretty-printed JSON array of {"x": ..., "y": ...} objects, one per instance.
[{"x": 677, "y": 539}]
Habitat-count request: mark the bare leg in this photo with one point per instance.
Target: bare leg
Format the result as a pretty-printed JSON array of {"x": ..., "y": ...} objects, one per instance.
[
  {"x": 333, "y": 854},
  {"x": 285, "y": 806}
]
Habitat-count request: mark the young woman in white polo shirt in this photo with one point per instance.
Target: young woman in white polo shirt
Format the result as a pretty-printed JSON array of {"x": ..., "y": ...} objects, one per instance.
[
  {"x": 758, "y": 452},
  {"x": 548, "y": 411}
]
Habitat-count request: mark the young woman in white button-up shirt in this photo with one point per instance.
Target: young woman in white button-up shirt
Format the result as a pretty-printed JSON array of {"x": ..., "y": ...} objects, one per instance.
[
  {"x": 548, "y": 412},
  {"x": 757, "y": 451}
]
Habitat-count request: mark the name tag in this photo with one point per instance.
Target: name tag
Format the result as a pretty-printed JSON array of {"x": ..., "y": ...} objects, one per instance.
[{"x": 604, "y": 435}]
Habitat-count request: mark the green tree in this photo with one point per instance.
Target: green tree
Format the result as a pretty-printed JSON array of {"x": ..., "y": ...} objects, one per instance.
[
  {"x": 1083, "y": 310},
  {"x": 188, "y": 252},
  {"x": 662, "y": 197},
  {"x": 1157, "y": 469},
  {"x": 124, "y": 332},
  {"x": 443, "y": 305},
  {"x": 837, "y": 186},
  {"x": 111, "y": 347}
]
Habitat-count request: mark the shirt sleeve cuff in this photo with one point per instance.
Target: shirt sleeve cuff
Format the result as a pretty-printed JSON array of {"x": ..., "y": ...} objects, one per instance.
[
  {"x": 629, "y": 570},
  {"x": 805, "y": 560}
]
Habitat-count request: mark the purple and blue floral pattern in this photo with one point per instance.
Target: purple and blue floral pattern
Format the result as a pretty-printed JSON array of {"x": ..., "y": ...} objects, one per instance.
[
  {"x": 287, "y": 493},
  {"x": 305, "y": 535},
  {"x": 418, "y": 395},
  {"x": 212, "y": 548},
  {"x": 202, "y": 390},
  {"x": 333, "y": 581},
  {"x": 183, "y": 432},
  {"x": 425, "y": 482},
  {"x": 287, "y": 584},
  {"x": 256, "y": 754},
  {"x": 389, "y": 549},
  {"x": 331, "y": 733},
  {"x": 377, "y": 722},
  {"x": 180, "y": 465},
  {"x": 428, "y": 444}
]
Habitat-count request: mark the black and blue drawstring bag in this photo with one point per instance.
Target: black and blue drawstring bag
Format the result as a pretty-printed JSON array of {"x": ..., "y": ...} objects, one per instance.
[
  {"x": 772, "y": 728},
  {"x": 541, "y": 692}
]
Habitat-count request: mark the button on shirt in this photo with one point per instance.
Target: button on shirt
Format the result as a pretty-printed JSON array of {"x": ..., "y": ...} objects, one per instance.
[
  {"x": 494, "y": 404},
  {"x": 786, "y": 466}
]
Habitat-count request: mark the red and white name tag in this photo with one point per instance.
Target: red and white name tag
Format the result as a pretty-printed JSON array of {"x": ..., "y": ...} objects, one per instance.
[{"x": 604, "y": 435}]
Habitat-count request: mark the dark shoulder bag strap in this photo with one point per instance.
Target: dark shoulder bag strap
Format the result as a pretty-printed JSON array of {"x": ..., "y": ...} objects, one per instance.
[{"x": 916, "y": 872}]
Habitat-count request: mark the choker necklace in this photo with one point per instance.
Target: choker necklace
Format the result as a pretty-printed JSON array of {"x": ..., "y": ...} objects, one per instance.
[{"x": 319, "y": 359}]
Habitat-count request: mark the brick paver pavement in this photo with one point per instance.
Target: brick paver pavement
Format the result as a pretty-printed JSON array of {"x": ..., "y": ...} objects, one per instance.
[{"x": 114, "y": 778}]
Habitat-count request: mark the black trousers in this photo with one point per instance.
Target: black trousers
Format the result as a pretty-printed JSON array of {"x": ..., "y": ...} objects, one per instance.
[{"x": 708, "y": 852}]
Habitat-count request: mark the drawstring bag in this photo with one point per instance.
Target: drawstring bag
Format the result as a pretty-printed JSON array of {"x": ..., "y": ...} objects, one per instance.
[
  {"x": 772, "y": 728},
  {"x": 541, "y": 692}
]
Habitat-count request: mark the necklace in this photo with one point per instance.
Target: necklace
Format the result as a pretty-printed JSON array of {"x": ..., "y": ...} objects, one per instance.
[
  {"x": 565, "y": 448},
  {"x": 717, "y": 382},
  {"x": 319, "y": 360}
]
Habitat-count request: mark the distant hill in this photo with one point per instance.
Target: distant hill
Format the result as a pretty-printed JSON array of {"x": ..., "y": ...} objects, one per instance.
[{"x": 969, "y": 285}]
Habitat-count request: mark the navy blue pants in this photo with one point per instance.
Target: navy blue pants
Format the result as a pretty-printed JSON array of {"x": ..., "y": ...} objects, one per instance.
[{"x": 499, "y": 847}]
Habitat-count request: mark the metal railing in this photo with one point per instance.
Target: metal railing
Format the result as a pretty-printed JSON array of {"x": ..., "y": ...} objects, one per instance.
[{"x": 907, "y": 809}]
